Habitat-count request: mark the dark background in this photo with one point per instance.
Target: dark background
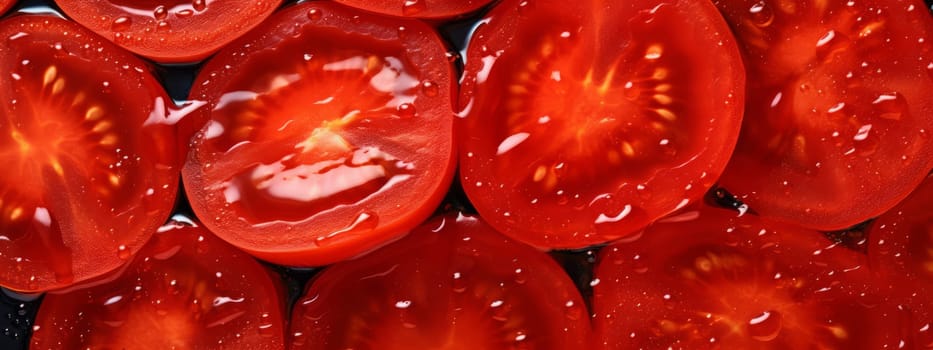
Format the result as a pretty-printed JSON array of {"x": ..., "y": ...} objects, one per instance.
[{"x": 17, "y": 312}]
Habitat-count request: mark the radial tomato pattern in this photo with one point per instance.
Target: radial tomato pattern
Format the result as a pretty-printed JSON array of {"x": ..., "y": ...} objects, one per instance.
[
  {"x": 342, "y": 145},
  {"x": 90, "y": 154},
  {"x": 839, "y": 114},
  {"x": 584, "y": 121},
  {"x": 454, "y": 283}
]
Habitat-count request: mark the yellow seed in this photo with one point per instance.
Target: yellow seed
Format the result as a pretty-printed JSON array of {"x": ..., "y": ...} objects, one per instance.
[
  {"x": 101, "y": 126},
  {"x": 658, "y": 126},
  {"x": 114, "y": 180},
  {"x": 93, "y": 113},
  {"x": 518, "y": 89},
  {"x": 703, "y": 264},
  {"x": 79, "y": 98},
  {"x": 373, "y": 63},
  {"x": 653, "y": 52},
  {"x": 838, "y": 332},
  {"x": 50, "y": 74},
  {"x": 870, "y": 28},
  {"x": 57, "y": 167},
  {"x": 109, "y": 140},
  {"x": 663, "y": 99},
  {"x": 16, "y": 213},
  {"x": 662, "y": 88},
  {"x": 666, "y": 114},
  {"x": 58, "y": 86},
  {"x": 547, "y": 48},
  {"x": 540, "y": 172},
  {"x": 627, "y": 149},
  {"x": 660, "y": 73}
]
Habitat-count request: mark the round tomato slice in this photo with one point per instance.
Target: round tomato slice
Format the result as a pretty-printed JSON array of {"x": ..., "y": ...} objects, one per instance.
[
  {"x": 172, "y": 31},
  {"x": 839, "y": 113},
  {"x": 91, "y": 163},
  {"x": 584, "y": 121},
  {"x": 429, "y": 9},
  {"x": 332, "y": 135},
  {"x": 901, "y": 252},
  {"x": 6, "y": 5},
  {"x": 453, "y": 283},
  {"x": 711, "y": 280},
  {"x": 185, "y": 290}
]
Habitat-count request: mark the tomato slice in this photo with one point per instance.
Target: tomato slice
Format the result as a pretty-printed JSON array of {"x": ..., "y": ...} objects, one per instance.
[
  {"x": 92, "y": 168},
  {"x": 185, "y": 290},
  {"x": 584, "y": 121},
  {"x": 332, "y": 136},
  {"x": 900, "y": 250},
  {"x": 172, "y": 31},
  {"x": 6, "y": 5},
  {"x": 711, "y": 280},
  {"x": 838, "y": 117},
  {"x": 453, "y": 283},
  {"x": 428, "y": 9}
]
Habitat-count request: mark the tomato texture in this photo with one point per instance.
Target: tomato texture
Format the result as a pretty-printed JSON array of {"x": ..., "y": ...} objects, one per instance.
[
  {"x": 6, "y": 5},
  {"x": 584, "y": 121},
  {"x": 453, "y": 283},
  {"x": 430, "y": 9},
  {"x": 185, "y": 290},
  {"x": 901, "y": 253},
  {"x": 707, "y": 279},
  {"x": 170, "y": 31},
  {"x": 839, "y": 111},
  {"x": 90, "y": 155},
  {"x": 331, "y": 136}
]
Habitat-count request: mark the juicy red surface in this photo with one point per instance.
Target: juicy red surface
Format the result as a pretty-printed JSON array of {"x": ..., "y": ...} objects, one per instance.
[
  {"x": 453, "y": 283},
  {"x": 185, "y": 289},
  {"x": 427, "y": 9}
]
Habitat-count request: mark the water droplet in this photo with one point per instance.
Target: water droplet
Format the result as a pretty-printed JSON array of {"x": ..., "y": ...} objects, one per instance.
[
  {"x": 429, "y": 88},
  {"x": 159, "y": 13},
  {"x": 123, "y": 252},
  {"x": 402, "y": 304},
  {"x": 199, "y": 5},
  {"x": 315, "y": 14},
  {"x": 121, "y": 24},
  {"x": 761, "y": 14},
  {"x": 413, "y": 7},
  {"x": 890, "y": 105},
  {"x": 406, "y": 110},
  {"x": 766, "y": 326},
  {"x": 184, "y": 13}
]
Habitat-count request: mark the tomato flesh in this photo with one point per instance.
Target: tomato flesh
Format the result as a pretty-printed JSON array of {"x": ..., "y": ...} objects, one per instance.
[
  {"x": 186, "y": 289},
  {"x": 585, "y": 121},
  {"x": 900, "y": 250},
  {"x": 838, "y": 118},
  {"x": 710, "y": 280},
  {"x": 453, "y": 283},
  {"x": 429, "y": 9},
  {"x": 172, "y": 31},
  {"x": 344, "y": 144},
  {"x": 92, "y": 164}
]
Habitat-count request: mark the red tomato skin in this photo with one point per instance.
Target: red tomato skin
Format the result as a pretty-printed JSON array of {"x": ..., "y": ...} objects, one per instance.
[
  {"x": 900, "y": 242},
  {"x": 707, "y": 279},
  {"x": 117, "y": 311},
  {"x": 113, "y": 145},
  {"x": 838, "y": 115},
  {"x": 425, "y": 9},
  {"x": 181, "y": 34},
  {"x": 302, "y": 247},
  {"x": 604, "y": 202},
  {"x": 452, "y": 283},
  {"x": 5, "y": 5}
]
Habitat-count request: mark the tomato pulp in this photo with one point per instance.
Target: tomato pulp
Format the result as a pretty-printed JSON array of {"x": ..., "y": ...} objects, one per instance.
[
  {"x": 584, "y": 121},
  {"x": 327, "y": 132},
  {"x": 454, "y": 283},
  {"x": 92, "y": 160},
  {"x": 171, "y": 31},
  {"x": 185, "y": 290},
  {"x": 839, "y": 113}
]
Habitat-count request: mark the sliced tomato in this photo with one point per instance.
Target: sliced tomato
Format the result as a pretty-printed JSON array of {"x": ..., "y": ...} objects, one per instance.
[
  {"x": 454, "y": 283},
  {"x": 185, "y": 290},
  {"x": 171, "y": 31},
  {"x": 707, "y": 279},
  {"x": 329, "y": 133},
  {"x": 839, "y": 113},
  {"x": 91, "y": 163},
  {"x": 428, "y": 9},
  {"x": 900, "y": 250},
  {"x": 584, "y": 121},
  {"x": 6, "y": 5}
]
